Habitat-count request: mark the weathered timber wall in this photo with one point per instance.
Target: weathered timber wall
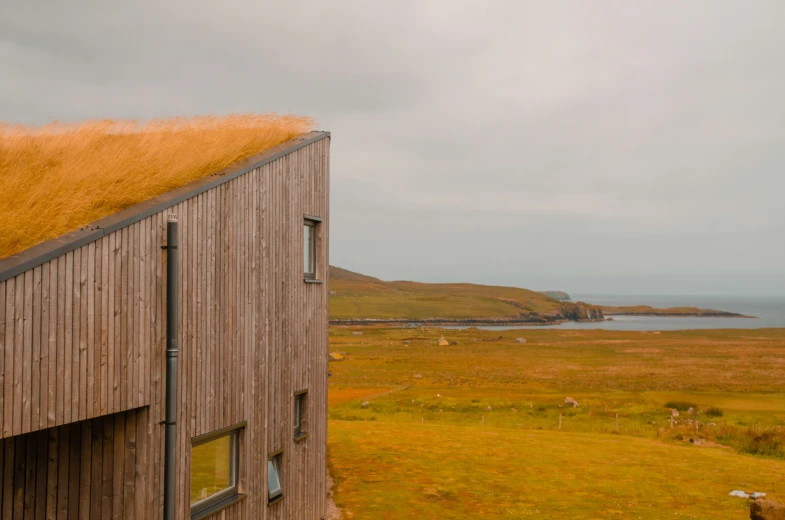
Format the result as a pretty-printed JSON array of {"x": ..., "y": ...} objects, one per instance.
[
  {"x": 87, "y": 469},
  {"x": 82, "y": 333}
]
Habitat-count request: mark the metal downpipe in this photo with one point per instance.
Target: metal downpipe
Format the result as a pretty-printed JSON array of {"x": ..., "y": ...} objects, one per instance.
[{"x": 171, "y": 368}]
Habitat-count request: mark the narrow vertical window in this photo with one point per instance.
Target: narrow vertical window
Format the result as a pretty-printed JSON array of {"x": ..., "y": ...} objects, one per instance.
[
  {"x": 274, "y": 481},
  {"x": 310, "y": 228},
  {"x": 300, "y": 432}
]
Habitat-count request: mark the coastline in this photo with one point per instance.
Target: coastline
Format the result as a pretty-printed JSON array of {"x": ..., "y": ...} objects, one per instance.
[
  {"x": 670, "y": 312},
  {"x": 518, "y": 322},
  {"x": 467, "y": 322},
  {"x": 684, "y": 315}
]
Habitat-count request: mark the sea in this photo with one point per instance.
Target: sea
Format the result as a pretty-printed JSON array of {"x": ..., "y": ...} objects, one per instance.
[{"x": 768, "y": 312}]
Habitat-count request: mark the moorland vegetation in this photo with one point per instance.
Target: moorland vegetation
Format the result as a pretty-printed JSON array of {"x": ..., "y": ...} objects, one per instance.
[{"x": 480, "y": 428}]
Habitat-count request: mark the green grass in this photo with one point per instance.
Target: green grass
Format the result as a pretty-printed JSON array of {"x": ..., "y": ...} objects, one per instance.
[{"x": 472, "y": 430}]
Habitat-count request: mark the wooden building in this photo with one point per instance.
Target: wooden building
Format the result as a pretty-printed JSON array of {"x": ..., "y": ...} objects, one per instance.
[{"x": 83, "y": 353}]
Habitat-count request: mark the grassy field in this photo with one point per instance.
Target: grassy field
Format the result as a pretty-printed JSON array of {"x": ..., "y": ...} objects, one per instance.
[
  {"x": 480, "y": 428},
  {"x": 358, "y": 296}
]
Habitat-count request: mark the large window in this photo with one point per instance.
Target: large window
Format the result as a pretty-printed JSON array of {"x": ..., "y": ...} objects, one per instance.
[
  {"x": 310, "y": 228},
  {"x": 214, "y": 468},
  {"x": 300, "y": 415},
  {"x": 274, "y": 481}
]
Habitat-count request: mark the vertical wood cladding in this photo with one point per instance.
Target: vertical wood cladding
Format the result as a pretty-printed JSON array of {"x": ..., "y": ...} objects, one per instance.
[
  {"x": 87, "y": 469},
  {"x": 82, "y": 338}
]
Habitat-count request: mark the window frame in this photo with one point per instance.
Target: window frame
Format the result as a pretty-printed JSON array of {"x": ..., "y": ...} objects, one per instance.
[
  {"x": 300, "y": 412},
  {"x": 313, "y": 223},
  {"x": 276, "y": 459},
  {"x": 217, "y": 501}
]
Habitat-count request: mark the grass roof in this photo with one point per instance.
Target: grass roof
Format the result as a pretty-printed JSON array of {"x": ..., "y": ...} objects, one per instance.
[{"x": 60, "y": 177}]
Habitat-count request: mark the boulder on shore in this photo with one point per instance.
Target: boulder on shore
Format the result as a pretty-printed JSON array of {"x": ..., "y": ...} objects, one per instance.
[{"x": 763, "y": 509}]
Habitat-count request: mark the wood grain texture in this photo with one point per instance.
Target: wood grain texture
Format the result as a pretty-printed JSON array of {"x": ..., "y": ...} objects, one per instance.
[
  {"x": 82, "y": 341},
  {"x": 61, "y": 472}
]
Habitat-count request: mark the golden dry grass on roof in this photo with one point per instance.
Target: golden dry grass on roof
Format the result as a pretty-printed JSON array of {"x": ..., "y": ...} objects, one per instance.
[{"x": 59, "y": 177}]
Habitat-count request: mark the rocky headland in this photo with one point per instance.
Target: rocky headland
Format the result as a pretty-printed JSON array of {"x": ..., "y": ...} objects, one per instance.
[
  {"x": 674, "y": 312},
  {"x": 568, "y": 311}
]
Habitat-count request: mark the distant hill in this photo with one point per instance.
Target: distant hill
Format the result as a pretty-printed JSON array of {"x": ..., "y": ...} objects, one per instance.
[
  {"x": 356, "y": 297},
  {"x": 344, "y": 275},
  {"x": 557, "y": 295}
]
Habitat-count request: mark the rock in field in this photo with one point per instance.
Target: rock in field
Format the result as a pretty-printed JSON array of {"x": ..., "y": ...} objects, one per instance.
[{"x": 762, "y": 509}]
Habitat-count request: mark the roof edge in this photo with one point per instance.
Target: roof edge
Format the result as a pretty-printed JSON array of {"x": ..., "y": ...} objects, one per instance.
[{"x": 46, "y": 251}]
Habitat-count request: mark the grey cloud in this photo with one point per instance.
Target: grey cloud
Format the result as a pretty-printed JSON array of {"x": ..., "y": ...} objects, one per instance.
[{"x": 499, "y": 141}]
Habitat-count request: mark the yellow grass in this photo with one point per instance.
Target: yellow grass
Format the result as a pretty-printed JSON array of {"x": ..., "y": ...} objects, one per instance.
[
  {"x": 479, "y": 429},
  {"x": 59, "y": 177}
]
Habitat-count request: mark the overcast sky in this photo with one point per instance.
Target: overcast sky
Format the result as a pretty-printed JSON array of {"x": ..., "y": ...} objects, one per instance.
[{"x": 614, "y": 147}]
